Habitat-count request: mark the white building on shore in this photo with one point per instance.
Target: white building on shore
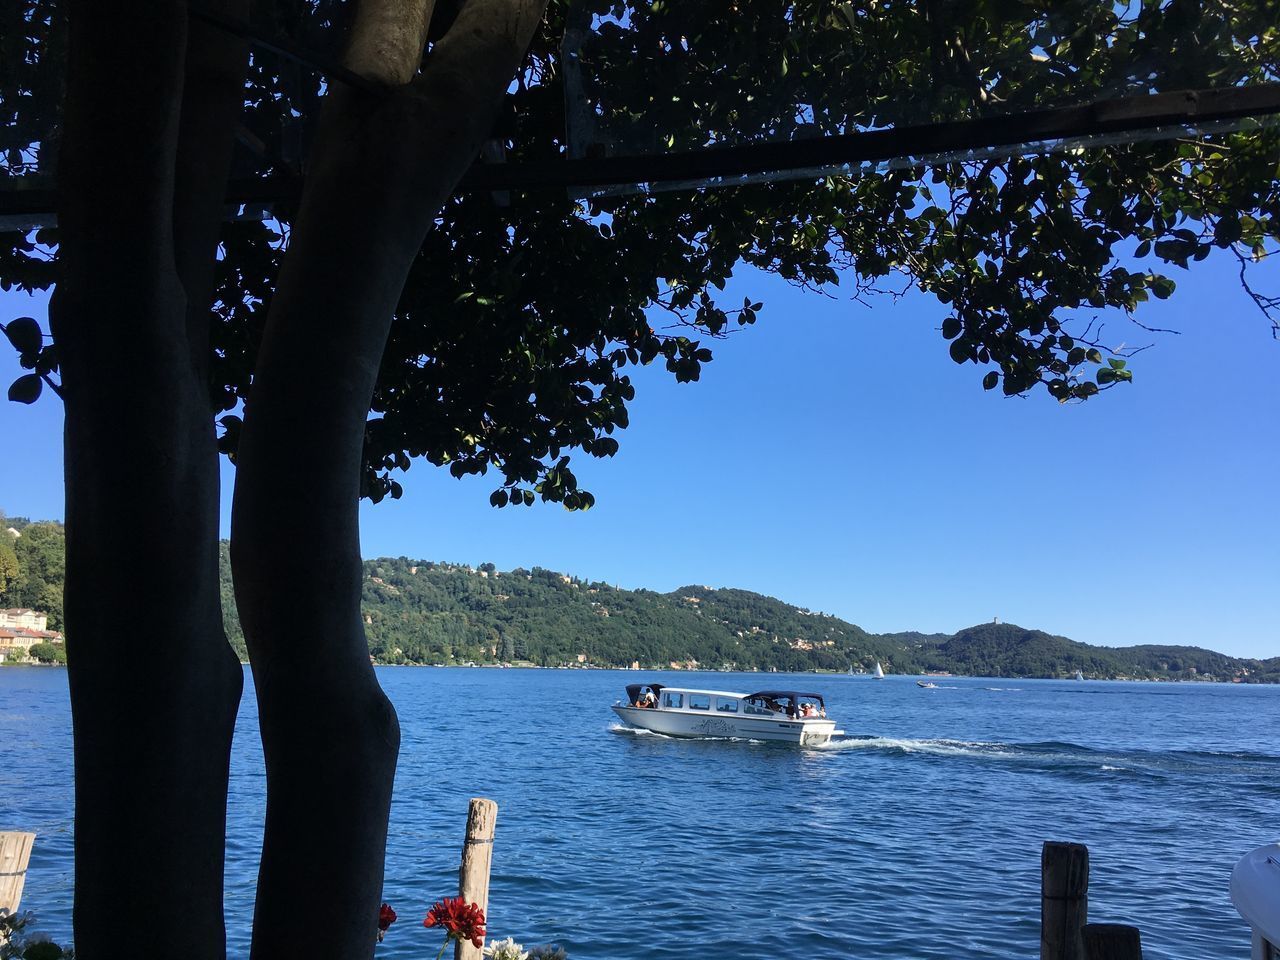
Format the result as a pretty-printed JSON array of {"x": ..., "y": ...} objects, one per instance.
[{"x": 20, "y": 630}]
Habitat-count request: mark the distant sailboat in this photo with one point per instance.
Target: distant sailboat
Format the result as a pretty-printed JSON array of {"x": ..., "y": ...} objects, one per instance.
[
  {"x": 1079, "y": 675},
  {"x": 878, "y": 672}
]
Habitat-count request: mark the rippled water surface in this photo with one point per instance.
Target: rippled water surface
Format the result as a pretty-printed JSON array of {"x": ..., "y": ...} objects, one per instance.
[{"x": 918, "y": 835}]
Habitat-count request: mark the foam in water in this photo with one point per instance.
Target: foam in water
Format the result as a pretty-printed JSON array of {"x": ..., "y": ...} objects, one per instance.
[
  {"x": 636, "y": 731},
  {"x": 640, "y": 732},
  {"x": 944, "y": 748}
]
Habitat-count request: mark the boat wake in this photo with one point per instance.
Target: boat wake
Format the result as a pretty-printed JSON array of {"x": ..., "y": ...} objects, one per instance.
[
  {"x": 939, "y": 748},
  {"x": 1063, "y": 756}
]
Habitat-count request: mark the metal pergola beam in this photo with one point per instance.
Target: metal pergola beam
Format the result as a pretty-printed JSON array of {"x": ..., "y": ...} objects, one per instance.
[
  {"x": 1127, "y": 115},
  {"x": 1136, "y": 117}
]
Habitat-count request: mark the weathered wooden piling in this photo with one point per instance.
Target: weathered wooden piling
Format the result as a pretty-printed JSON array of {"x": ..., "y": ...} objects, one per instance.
[
  {"x": 477, "y": 858},
  {"x": 1112, "y": 941},
  {"x": 15, "y": 853},
  {"x": 1064, "y": 900}
]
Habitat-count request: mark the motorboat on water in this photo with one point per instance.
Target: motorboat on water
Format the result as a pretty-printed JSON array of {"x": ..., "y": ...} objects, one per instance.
[
  {"x": 927, "y": 684},
  {"x": 784, "y": 715}
]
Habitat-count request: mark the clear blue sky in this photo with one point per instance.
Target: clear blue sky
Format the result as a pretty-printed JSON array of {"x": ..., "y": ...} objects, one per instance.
[{"x": 836, "y": 458}]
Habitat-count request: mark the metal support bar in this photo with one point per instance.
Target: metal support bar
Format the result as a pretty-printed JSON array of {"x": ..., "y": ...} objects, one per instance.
[{"x": 1135, "y": 117}]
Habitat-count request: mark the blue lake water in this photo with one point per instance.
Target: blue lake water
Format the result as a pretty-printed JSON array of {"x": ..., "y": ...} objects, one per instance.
[{"x": 918, "y": 836}]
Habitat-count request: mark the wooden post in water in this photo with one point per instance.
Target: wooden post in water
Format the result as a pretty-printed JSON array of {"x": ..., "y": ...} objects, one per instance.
[
  {"x": 15, "y": 853},
  {"x": 1112, "y": 941},
  {"x": 477, "y": 857},
  {"x": 1064, "y": 900}
]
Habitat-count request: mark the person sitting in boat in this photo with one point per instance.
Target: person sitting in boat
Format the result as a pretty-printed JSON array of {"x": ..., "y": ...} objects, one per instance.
[
  {"x": 807, "y": 710},
  {"x": 647, "y": 699}
]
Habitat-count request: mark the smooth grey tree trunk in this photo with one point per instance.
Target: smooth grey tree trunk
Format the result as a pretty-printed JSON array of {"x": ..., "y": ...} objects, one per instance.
[{"x": 154, "y": 685}]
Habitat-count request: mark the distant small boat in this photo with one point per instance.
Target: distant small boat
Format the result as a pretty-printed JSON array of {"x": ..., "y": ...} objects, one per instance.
[
  {"x": 927, "y": 684},
  {"x": 1079, "y": 675},
  {"x": 878, "y": 672}
]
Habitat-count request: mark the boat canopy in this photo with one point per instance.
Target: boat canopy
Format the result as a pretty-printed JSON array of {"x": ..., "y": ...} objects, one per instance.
[
  {"x": 633, "y": 690},
  {"x": 792, "y": 695}
]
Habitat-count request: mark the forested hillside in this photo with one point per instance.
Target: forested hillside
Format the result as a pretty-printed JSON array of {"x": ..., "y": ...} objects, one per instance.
[
  {"x": 423, "y": 612},
  {"x": 417, "y": 611}
]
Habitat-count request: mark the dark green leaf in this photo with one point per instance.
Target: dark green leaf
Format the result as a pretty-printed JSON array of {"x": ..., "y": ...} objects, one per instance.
[
  {"x": 24, "y": 334},
  {"x": 26, "y": 389}
]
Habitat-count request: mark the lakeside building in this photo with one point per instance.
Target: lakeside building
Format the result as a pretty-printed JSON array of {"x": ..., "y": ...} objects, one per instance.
[
  {"x": 20, "y": 630},
  {"x": 21, "y": 617}
]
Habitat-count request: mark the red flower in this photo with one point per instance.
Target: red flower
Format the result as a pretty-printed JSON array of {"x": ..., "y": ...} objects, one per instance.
[
  {"x": 386, "y": 916},
  {"x": 459, "y": 920}
]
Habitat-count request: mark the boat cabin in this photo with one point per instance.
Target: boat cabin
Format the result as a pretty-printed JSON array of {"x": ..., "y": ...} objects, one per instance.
[
  {"x": 764, "y": 703},
  {"x": 797, "y": 706}
]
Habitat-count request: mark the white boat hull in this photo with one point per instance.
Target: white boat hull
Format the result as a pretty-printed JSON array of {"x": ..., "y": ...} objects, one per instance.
[{"x": 701, "y": 724}]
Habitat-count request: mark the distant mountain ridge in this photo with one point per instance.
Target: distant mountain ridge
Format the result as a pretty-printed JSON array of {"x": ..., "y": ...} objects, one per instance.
[{"x": 427, "y": 612}]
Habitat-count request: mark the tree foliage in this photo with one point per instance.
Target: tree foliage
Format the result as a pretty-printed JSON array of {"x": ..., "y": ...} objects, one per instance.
[
  {"x": 524, "y": 314},
  {"x": 39, "y": 570},
  {"x": 48, "y": 652},
  {"x": 9, "y": 569}
]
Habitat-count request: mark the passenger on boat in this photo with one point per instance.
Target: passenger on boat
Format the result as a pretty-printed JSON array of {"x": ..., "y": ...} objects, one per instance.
[{"x": 647, "y": 699}]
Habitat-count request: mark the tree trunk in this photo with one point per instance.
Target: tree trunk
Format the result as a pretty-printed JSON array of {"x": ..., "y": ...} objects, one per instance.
[
  {"x": 154, "y": 685},
  {"x": 382, "y": 165}
]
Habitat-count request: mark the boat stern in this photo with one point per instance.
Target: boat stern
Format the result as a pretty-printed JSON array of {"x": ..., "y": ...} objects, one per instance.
[{"x": 815, "y": 733}]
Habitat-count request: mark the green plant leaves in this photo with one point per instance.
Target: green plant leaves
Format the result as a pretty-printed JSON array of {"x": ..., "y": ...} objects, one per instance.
[{"x": 518, "y": 324}]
